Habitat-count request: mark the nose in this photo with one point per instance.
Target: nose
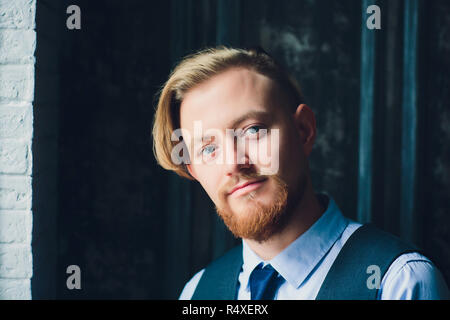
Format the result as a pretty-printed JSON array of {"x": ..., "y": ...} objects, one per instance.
[
  {"x": 237, "y": 160},
  {"x": 234, "y": 168}
]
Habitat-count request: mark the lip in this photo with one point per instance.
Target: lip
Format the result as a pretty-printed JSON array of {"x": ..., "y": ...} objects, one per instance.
[{"x": 246, "y": 187}]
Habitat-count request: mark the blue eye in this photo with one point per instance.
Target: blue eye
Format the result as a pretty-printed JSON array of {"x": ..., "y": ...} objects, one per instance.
[
  {"x": 208, "y": 149},
  {"x": 253, "y": 130}
]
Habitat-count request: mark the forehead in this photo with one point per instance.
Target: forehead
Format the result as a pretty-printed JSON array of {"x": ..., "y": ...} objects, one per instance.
[{"x": 225, "y": 97}]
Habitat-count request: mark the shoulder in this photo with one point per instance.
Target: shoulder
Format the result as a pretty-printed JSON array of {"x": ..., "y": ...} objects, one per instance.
[
  {"x": 412, "y": 276},
  {"x": 407, "y": 273},
  {"x": 219, "y": 269},
  {"x": 190, "y": 286}
]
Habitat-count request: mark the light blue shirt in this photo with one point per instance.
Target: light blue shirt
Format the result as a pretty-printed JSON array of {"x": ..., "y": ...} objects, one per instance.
[{"x": 305, "y": 263}]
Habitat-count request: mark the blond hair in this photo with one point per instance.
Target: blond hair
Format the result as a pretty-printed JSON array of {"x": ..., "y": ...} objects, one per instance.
[{"x": 196, "y": 69}]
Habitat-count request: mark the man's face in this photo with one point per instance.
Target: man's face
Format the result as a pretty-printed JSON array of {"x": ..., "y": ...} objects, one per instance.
[{"x": 252, "y": 195}]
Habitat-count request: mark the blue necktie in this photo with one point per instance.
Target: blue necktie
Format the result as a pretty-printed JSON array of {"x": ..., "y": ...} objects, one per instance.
[{"x": 264, "y": 282}]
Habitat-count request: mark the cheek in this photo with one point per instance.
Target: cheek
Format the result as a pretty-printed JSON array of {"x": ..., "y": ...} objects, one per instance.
[
  {"x": 264, "y": 152},
  {"x": 290, "y": 154},
  {"x": 257, "y": 151},
  {"x": 209, "y": 178},
  {"x": 276, "y": 152}
]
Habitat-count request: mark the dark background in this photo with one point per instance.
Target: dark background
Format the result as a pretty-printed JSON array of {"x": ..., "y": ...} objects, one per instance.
[{"x": 138, "y": 232}]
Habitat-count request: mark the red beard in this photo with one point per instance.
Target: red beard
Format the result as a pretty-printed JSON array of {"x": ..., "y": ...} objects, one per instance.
[{"x": 259, "y": 222}]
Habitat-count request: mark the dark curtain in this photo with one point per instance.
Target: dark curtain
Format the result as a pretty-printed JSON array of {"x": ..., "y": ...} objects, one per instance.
[{"x": 137, "y": 231}]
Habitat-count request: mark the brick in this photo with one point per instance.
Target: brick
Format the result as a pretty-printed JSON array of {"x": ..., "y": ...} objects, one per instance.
[
  {"x": 16, "y": 227},
  {"x": 15, "y": 289},
  {"x": 15, "y": 192},
  {"x": 17, "y": 46},
  {"x": 16, "y": 261},
  {"x": 15, "y": 157},
  {"x": 16, "y": 122},
  {"x": 17, "y": 82},
  {"x": 17, "y": 14},
  {"x": 17, "y": 49}
]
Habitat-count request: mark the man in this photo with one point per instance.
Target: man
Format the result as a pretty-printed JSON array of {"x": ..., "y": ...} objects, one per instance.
[{"x": 229, "y": 105}]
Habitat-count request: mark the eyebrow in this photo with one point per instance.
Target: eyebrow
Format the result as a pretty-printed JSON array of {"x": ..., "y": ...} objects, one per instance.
[
  {"x": 205, "y": 137},
  {"x": 263, "y": 115}
]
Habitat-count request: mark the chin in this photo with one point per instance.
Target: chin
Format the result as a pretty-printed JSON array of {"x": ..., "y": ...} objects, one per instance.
[
  {"x": 251, "y": 201},
  {"x": 264, "y": 194},
  {"x": 257, "y": 214}
]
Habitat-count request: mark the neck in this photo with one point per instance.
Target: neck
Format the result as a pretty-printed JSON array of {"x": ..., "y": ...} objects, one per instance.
[{"x": 305, "y": 214}]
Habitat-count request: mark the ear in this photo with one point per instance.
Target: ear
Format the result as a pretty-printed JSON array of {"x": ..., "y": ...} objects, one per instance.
[{"x": 305, "y": 122}]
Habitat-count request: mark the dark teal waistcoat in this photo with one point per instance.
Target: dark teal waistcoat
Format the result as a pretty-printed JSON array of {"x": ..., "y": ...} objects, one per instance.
[{"x": 346, "y": 280}]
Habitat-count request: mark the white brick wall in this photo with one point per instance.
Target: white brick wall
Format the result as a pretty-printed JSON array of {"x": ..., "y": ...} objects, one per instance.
[{"x": 17, "y": 46}]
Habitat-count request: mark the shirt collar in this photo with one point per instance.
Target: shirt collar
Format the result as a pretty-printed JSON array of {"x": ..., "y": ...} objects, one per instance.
[{"x": 297, "y": 261}]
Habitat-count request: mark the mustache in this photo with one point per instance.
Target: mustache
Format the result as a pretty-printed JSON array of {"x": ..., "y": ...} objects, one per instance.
[
  {"x": 259, "y": 222},
  {"x": 244, "y": 176}
]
